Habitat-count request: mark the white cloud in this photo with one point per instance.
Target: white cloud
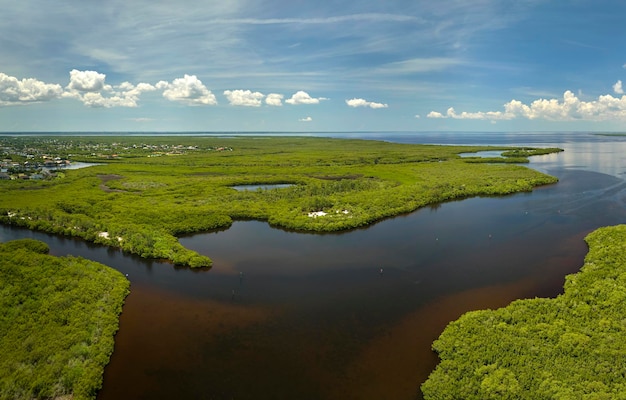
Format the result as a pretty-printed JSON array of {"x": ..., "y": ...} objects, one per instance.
[
  {"x": 124, "y": 95},
  {"x": 489, "y": 115},
  {"x": 364, "y": 103},
  {"x": 617, "y": 88},
  {"x": 244, "y": 98},
  {"x": 306, "y": 119},
  {"x": 87, "y": 86},
  {"x": 571, "y": 108},
  {"x": 417, "y": 116},
  {"x": 274, "y": 99},
  {"x": 189, "y": 90},
  {"x": 435, "y": 114},
  {"x": 301, "y": 97},
  {"x": 14, "y": 91},
  {"x": 93, "y": 99},
  {"x": 86, "y": 81}
]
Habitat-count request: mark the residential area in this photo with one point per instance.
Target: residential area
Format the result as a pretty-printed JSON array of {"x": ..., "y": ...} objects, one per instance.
[
  {"x": 47, "y": 168},
  {"x": 43, "y": 157}
]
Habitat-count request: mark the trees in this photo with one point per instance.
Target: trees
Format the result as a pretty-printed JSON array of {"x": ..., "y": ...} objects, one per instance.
[
  {"x": 58, "y": 317},
  {"x": 570, "y": 347}
]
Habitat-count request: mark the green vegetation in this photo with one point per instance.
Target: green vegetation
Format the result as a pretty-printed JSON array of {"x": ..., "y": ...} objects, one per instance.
[
  {"x": 151, "y": 189},
  {"x": 58, "y": 317},
  {"x": 514, "y": 156},
  {"x": 528, "y": 152},
  {"x": 570, "y": 347}
]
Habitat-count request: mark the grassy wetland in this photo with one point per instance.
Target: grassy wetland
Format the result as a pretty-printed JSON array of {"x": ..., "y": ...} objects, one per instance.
[{"x": 146, "y": 191}]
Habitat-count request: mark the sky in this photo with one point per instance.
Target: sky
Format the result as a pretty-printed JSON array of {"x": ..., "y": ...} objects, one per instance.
[{"x": 306, "y": 66}]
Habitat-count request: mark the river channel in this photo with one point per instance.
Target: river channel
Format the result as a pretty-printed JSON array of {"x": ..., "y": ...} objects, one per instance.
[{"x": 285, "y": 315}]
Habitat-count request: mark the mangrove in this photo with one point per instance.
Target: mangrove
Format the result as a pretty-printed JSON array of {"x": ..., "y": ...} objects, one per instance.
[
  {"x": 144, "y": 192},
  {"x": 58, "y": 318},
  {"x": 569, "y": 347}
]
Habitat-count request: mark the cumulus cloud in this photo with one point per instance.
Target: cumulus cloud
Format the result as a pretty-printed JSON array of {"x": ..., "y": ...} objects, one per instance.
[
  {"x": 188, "y": 89},
  {"x": 86, "y": 81},
  {"x": 435, "y": 114},
  {"x": 244, "y": 98},
  {"x": 364, "y": 103},
  {"x": 274, "y": 99},
  {"x": 570, "y": 108},
  {"x": 124, "y": 95},
  {"x": 301, "y": 97},
  {"x": 14, "y": 91},
  {"x": 88, "y": 87},
  {"x": 617, "y": 88},
  {"x": 306, "y": 119}
]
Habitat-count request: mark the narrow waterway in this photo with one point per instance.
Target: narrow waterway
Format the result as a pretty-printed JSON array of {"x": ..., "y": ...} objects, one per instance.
[{"x": 351, "y": 315}]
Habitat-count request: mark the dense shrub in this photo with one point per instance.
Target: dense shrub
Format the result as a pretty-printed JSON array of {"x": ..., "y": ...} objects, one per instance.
[
  {"x": 569, "y": 347},
  {"x": 58, "y": 317}
]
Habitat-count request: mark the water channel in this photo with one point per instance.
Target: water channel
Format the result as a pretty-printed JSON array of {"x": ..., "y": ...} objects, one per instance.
[{"x": 352, "y": 315}]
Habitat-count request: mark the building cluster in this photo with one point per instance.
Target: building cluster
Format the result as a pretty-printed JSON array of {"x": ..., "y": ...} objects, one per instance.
[{"x": 30, "y": 169}]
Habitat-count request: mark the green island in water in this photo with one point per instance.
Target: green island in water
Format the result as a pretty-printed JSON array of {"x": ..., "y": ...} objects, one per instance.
[{"x": 59, "y": 315}]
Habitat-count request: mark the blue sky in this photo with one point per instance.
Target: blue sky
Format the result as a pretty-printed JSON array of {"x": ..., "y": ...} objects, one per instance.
[{"x": 266, "y": 65}]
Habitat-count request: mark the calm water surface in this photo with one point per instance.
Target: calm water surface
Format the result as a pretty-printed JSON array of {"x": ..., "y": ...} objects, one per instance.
[{"x": 308, "y": 316}]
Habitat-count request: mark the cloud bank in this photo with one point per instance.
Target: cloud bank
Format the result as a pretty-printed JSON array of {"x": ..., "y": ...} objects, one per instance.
[
  {"x": 570, "y": 108},
  {"x": 92, "y": 89}
]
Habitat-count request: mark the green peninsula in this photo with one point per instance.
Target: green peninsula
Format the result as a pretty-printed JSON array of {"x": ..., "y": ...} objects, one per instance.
[
  {"x": 569, "y": 347},
  {"x": 58, "y": 318},
  {"x": 146, "y": 191}
]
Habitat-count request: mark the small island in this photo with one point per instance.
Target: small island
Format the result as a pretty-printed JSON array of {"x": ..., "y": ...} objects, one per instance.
[
  {"x": 58, "y": 321},
  {"x": 147, "y": 191}
]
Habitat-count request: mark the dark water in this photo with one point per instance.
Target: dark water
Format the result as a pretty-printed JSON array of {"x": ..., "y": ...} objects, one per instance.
[{"x": 303, "y": 316}]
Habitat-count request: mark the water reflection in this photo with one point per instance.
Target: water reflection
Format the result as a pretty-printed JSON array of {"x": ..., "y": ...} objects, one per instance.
[{"x": 285, "y": 315}]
